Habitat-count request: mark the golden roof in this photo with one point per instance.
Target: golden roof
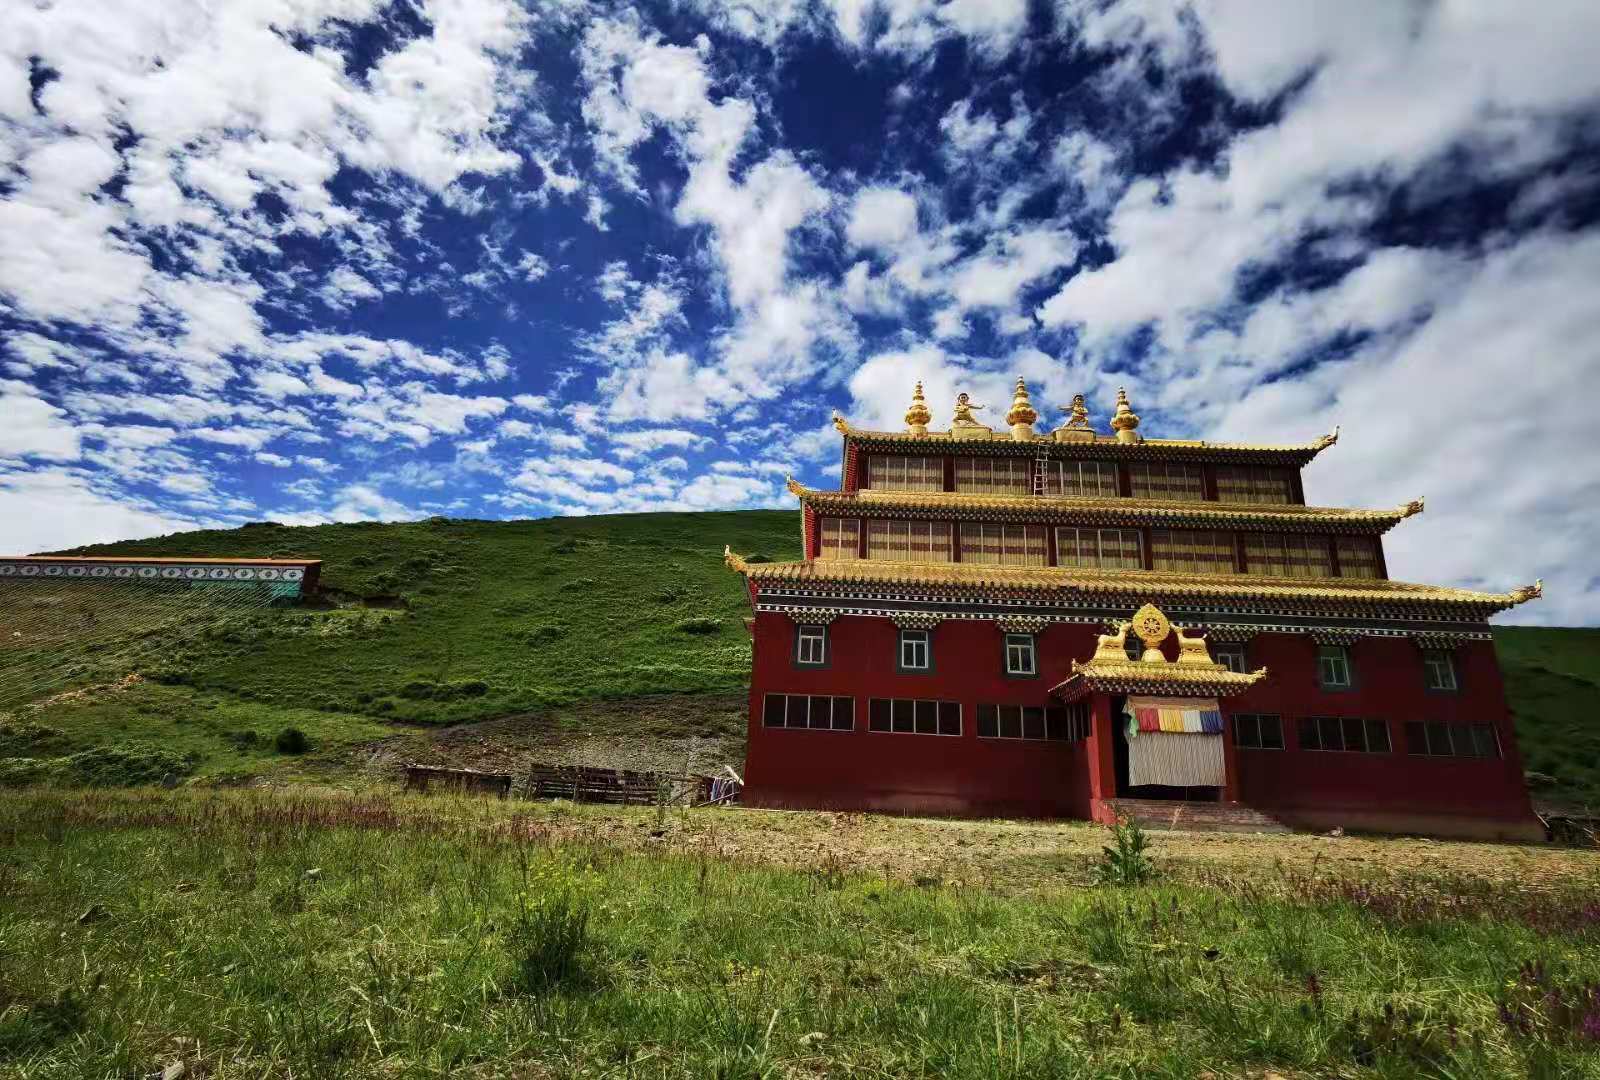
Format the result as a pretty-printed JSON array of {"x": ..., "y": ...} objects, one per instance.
[
  {"x": 1101, "y": 446},
  {"x": 1138, "y": 677},
  {"x": 1101, "y": 511},
  {"x": 1124, "y": 584}
]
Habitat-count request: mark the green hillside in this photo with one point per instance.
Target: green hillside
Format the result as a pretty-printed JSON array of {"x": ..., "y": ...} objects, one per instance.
[{"x": 445, "y": 621}]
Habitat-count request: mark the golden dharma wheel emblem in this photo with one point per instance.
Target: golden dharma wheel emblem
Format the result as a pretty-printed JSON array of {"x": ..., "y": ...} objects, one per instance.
[{"x": 1151, "y": 625}]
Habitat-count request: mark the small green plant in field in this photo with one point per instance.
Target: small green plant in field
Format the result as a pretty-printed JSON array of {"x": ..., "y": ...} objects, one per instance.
[
  {"x": 699, "y": 624},
  {"x": 291, "y": 740},
  {"x": 1126, "y": 860},
  {"x": 549, "y": 935}
]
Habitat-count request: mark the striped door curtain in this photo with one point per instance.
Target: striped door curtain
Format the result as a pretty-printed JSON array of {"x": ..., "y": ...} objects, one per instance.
[{"x": 1175, "y": 742}]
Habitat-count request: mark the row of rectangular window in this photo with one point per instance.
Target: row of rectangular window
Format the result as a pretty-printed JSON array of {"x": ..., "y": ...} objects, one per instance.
[
  {"x": 1083, "y": 479},
  {"x": 912, "y": 716},
  {"x": 1199, "y": 551},
  {"x": 1334, "y": 671},
  {"x": 1346, "y": 734}
]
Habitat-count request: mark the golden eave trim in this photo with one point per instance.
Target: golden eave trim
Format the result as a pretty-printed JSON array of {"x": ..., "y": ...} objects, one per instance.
[
  {"x": 1122, "y": 583},
  {"x": 961, "y": 504},
  {"x": 1201, "y": 448},
  {"x": 1139, "y": 677}
]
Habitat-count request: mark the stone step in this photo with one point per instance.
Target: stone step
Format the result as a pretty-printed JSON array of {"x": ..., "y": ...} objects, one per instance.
[{"x": 1195, "y": 816}]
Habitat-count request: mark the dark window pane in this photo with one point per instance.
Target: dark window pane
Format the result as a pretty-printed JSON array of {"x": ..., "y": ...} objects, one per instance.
[
  {"x": 949, "y": 718},
  {"x": 772, "y": 711},
  {"x": 1308, "y": 734},
  {"x": 1377, "y": 737},
  {"x": 988, "y": 722},
  {"x": 1055, "y": 724},
  {"x": 904, "y": 715},
  {"x": 1244, "y": 730},
  {"x": 1033, "y": 722},
  {"x": 1483, "y": 737},
  {"x": 1438, "y": 738},
  {"x": 1416, "y": 737},
  {"x": 1271, "y": 732},
  {"x": 844, "y": 713},
  {"x": 1461, "y": 741},
  {"x": 927, "y": 717},
  {"x": 822, "y": 712},
  {"x": 1010, "y": 722},
  {"x": 878, "y": 714},
  {"x": 1355, "y": 737},
  {"x": 1331, "y": 732}
]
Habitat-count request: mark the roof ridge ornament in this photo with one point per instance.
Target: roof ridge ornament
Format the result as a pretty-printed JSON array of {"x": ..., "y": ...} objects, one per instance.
[
  {"x": 1528, "y": 592},
  {"x": 1325, "y": 441},
  {"x": 1078, "y": 413},
  {"x": 1125, "y": 422},
  {"x": 965, "y": 425},
  {"x": 1412, "y": 508},
  {"x": 918, "y": 415},
  {"x": 1022, "y": 414}
]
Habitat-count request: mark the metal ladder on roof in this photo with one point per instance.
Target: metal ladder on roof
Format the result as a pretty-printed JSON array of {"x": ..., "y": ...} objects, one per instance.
[{"x": 1041, "y": 472}]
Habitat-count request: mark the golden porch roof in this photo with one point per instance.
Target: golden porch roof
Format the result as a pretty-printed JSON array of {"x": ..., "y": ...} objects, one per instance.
[
  {"x": 1139, "y": 677},
  {"x": 1099, "y": 445},
  {"x": 1101, "y": 511},
  {"x": 1363, "y": 594}
]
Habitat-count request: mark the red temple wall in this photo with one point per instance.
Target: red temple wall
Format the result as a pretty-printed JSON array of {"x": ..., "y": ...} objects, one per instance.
[
  {"x": 862, "y": 769},
  {"x": 1389, "y": 686}
]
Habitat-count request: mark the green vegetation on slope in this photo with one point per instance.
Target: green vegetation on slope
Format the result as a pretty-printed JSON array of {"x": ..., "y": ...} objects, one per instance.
[
  {"x": 496, "y": 617},
  {"x": 1553, "y": 684},
  {"x": 445, "y": 621},
  {"x": 264, "y": 935}
]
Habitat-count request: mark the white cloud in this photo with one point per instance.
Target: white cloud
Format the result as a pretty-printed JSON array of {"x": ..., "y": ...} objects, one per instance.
[
  {"x": 53, "y": 508},
  {"x": 634, "y": 444},
  {"x": 33, "y": 427}
]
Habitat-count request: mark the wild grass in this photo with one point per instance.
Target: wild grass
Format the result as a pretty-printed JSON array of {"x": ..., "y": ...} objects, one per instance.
[{"x": 250, "y": 934}]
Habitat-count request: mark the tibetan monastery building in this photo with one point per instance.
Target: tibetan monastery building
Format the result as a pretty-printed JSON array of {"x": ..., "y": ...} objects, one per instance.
[{"x": 1086, "y": 625}]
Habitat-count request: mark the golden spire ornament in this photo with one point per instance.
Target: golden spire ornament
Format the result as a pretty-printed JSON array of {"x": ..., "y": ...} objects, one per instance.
[
  {"x": 1022, "y": 414},
  {"x": 918, "y": 415},
  {"x": 1125, "y": 422}
]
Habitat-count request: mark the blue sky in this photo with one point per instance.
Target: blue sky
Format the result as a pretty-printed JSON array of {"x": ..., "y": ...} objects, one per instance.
[{"x": 312, "y": 260}]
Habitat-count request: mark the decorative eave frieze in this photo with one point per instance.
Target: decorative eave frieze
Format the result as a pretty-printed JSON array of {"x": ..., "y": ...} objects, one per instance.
[{"x": 1064, "y": 510}]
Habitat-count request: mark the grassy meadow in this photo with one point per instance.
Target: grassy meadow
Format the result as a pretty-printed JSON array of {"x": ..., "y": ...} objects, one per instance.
[{"x": 255, "y": 934}]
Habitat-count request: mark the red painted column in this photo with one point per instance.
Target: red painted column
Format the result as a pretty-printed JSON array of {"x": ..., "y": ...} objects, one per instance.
[
  {"x": 1230, "y": 760},
  {"x": 1102, "y": 755}
]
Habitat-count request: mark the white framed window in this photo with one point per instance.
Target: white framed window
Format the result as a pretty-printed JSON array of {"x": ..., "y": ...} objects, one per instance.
[
  {"x": 1436, "y": 739},
  {"x": 1099, "y": 549},
  {"x": 811, "y": 645},
  {"x": 1439, "y": 669},
  {"x": 1085, "y": 479},
  {"x": 901, "y": 472},
  {"x": 988, "y": 544},
  {"x": 809, "y": 711},
  {"x": 1230, "y": 655},
  {"x": 906, "y": 716},
  {"x": 1333, "y": 667},
  {"x": 1349, "y": 734},
  {"x": 841, "y": 538},
  {"x": 1053, "y": 723},
  {"x": 994, "y": 475},
  {"x": 1257, "y": 731},
  {"x": 916, "y": 650},
  {"x": 1020, "y": 655}
]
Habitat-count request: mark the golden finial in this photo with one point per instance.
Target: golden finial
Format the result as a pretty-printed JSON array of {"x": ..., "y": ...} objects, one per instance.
[
  {"x": 1150, "y": 625},
  {"x": 1125, "y": 422},
  {"x": 1022, "y": 414},
  {"x": 1078, "y": 412},
  {"x": 917, "y": 416}
]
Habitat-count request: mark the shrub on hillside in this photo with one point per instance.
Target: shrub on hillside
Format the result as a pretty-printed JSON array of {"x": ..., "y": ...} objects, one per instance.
[
  {"x": 116, "y": 765},
  {"x": 1126, "y": 861},
  {"x": 700, "y": 624},
  {"x": 291, "y": 740},
  {"x": 429, "y": 690},
  {"x": 22, "y": 738}
]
